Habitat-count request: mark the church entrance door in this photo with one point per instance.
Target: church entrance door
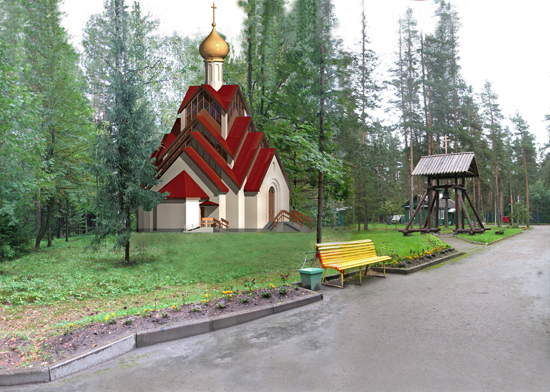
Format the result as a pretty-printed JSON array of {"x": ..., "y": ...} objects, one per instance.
[{"x": 271, "y": 204}]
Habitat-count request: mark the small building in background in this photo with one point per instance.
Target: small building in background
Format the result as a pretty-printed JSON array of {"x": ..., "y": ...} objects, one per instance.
[{"x": 441, "y": 213}]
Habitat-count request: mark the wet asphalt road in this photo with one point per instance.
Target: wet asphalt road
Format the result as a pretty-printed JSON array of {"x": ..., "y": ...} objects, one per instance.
[{"x": 480, "y": 323}]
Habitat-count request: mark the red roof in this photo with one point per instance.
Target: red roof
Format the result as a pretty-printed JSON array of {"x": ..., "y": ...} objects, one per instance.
[
  {"x": 246, "y": 155},
  {"x": 171, "y": 137},
  {"x": 195, "y": 157},
  {"x": 256, "y": 176},
  {"x": 240, "y": 124},
  {"x": 162, "y": 145},
  {"x": 208, "y": 203},
  {"x": 218, "y": 137},
  {"x": 176, "y": 128},
  {"x": 190, "y": 93},
  {"x": 183, "y": 186},
  {"x": 251, "y": 159},
  {"x": 214, "y": 154},
  {"x": 223, "y": 95}
]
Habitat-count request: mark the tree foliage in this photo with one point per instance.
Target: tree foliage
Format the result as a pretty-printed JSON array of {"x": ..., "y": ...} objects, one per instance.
[{"x": 126, "y": 138}]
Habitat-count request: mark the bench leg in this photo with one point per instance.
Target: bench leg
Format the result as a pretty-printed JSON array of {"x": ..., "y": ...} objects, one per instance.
[
  {"x": 360, "y": 283},
  {"x": 333, "y": 285}
]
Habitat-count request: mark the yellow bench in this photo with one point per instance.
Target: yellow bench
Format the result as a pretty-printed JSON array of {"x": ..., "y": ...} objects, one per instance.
[{"x": 346, "y": 255}]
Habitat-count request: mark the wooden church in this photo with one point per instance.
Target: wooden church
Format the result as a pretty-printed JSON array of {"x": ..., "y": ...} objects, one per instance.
[{"x": 215, "y": 168}]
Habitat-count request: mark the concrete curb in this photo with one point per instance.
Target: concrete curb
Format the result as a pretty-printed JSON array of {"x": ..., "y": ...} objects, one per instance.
[
  {"x": 297, "y": 303},
  {"x": 244, "y": 316},
  {"x": 130, "y": 342},
  {"x": 486, "y": 243},
  {"x": 406, "y": 271},
  {"x": 179, "y": 331},
  {"x": 93, "y": 357},
  {"x": 24, "y": 376},
  {"x": 505, "y": 238}
]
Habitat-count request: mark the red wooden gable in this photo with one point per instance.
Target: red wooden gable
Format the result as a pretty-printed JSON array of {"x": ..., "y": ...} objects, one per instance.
[
  {"x": 190, "y": 94},
  {"x": 246, "y": 155},
  {"x": 223, "y": 96},
  {"x": 259, "y": 170},
  {"x": 207, "y": 170},
  {"x": 183, "y": 186},
  {"x": 251, "y": 160},
  {"x": 238, "y": 129}
]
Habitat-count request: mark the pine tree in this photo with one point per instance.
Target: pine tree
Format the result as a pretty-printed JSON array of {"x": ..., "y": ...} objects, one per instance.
[
  {"x": 526, "y": 152},
  {"x": 407, "y": 83},
  {"x": 545, "y": 153},
  {"x": 122, "y": 169},
  {"x": 60, "y": 126},
  {"x": 492, "y": 116}
]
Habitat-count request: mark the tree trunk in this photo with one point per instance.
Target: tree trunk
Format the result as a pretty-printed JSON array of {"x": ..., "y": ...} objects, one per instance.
[
  {"x": 495, "y": 162},
  {"x": 526, "y": 181},
  {"x": 249, "y": 71},
  {"x": 44, "y": 223},
  {"x": 49, "y": 234},
  {"x": 67, "y": 222},
  {"x": 321, "y": 141}
]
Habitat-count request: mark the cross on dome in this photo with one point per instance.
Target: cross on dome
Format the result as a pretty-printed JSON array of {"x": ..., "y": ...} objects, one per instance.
[
  {"x": 214, "y": 48},
  {"x": 214, "y": 14}
]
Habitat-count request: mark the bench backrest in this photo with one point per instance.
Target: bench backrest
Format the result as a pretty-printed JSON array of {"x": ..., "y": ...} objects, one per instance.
[{"x": 337, "y": 252}]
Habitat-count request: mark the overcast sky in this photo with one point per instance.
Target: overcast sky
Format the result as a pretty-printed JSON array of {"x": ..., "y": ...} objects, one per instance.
[{"x": 503, "y": 41}]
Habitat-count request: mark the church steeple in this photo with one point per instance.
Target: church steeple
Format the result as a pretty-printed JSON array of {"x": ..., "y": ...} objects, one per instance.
[{"x": 213, "y": 50}]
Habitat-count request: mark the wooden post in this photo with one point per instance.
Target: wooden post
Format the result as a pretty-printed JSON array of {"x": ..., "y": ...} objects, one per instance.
[
  {"x": 437, "y": 206},
  {"x": 475, "y": 212},
  {"x": 415, "y": 212},
  {"x": 430, "y": 202},
  {"x": 465, "y": 213},
  {"x": 464, "y": 207},
  {"x": 457, "y": 206}
]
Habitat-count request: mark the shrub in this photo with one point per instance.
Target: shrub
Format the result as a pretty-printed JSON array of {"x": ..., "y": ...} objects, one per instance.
[{"x": 14, "y": 239}]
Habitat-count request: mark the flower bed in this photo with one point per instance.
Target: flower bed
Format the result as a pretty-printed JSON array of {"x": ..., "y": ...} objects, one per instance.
[
  {"x": 76, "y": 339},
  {"x": 418, "y": 264}
]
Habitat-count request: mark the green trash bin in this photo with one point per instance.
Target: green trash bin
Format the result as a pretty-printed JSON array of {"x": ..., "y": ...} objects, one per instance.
[{"x": 311, "y": 278}]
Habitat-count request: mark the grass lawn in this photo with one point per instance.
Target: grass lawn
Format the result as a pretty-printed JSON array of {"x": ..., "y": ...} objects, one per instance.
[
  {"x": 41, "y": 291},
  {"x": 490, "y": 236}
]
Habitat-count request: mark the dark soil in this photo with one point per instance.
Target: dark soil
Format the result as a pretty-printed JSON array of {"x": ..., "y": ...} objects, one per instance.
[
  {"x": 419, "y": 261},
  {"x": 15, "y": 351}
]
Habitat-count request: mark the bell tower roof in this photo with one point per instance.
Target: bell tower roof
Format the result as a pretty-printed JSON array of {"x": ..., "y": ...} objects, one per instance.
[{"x": 214, "y": 48}]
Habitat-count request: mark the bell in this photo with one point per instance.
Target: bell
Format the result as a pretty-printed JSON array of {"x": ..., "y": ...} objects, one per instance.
[{"x": 446, "y": 194}]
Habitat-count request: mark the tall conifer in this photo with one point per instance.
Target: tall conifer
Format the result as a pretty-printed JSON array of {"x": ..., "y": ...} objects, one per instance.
[{"x": 125, "y": 142}]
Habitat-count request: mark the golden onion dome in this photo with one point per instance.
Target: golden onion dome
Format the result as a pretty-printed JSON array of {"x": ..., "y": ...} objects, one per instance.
[{"x": 214, "y": 48}]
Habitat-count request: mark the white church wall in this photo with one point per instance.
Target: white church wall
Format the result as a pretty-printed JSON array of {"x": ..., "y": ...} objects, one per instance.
[
  {"x": 192, "y": 213},
  {"x": 232, "y": 209},
  {"x": 234, "y": 204},
  {"x": 171, "y": 215},
  {"x": 142, "y": 221},
  {"x": 221, "y": 211},
  {"x": 251, "y": 212},
  {"x": 275, "y": 178}
]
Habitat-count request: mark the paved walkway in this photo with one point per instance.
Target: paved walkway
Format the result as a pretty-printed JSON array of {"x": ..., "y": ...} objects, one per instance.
[{"x": 481, "y": 323}]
